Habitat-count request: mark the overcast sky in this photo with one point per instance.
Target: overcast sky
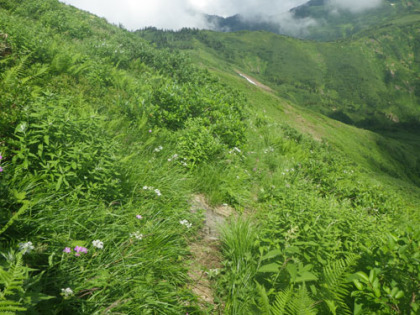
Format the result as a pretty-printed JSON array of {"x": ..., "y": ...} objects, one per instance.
[{"x": 175, "y": 14}]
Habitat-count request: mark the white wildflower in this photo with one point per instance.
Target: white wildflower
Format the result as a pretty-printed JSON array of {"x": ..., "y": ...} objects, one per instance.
[
  {"x": 158, "y": 149},
  {"x": 145, "y": 187},
  {"x": 98, "y": 244},
  {"x": 173, "y": 157},
  {"x": 186, "y": 223},
  {"x": 137, "y": 235},
  {"x": 157, "y": 191},
  {"x": 67, "y": 292},
  {"x": 268, "y": 150},
  {"x": 26, "y": 248}
]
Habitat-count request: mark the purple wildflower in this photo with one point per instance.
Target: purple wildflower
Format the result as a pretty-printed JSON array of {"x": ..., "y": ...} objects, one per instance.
[
  {"x": 150, "y": 130},
  {"x": 139, "y": 217},
  {"x": 1, "y": 156},
  {"x": 1, "y": 169},
  {"x": 67, "y": 250},
  {"x": 80, "y": 249}
]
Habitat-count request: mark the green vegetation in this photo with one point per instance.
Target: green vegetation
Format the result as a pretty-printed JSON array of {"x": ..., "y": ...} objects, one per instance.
[
  {"x": 333, "y": 24},
  {"x": 104, "y": 139},
  {"x": 369, "y": 81}
]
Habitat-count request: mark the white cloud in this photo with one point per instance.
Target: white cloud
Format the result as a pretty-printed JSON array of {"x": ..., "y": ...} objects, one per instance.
[
  {"x": 355, "y": 5},
  {"x": 175, "y": 14}
]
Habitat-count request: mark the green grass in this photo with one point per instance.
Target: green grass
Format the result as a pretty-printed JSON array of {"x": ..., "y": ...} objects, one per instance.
[{"x": 98, "y": 127}]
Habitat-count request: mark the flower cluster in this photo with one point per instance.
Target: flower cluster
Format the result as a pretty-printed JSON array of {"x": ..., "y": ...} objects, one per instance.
[
  {"x": 139, "y": 217},
  {"x": 269, "y": 150},
  {"x": 80, "y": 249},
  {"x": 158, "y": 149},
  {"x": 157, "y": 191},
  {"x": 137, "y": 235},
  {"x": 77, "y": 249},
  {"x": 67, "y": 292},
  {"x": 1, "y": 157},
  {"x": 98, "y": 244},
  {"x": 173, "y": 158},
  {"x": 186, "y": 223},
  {"x": 26, "y": 248}
]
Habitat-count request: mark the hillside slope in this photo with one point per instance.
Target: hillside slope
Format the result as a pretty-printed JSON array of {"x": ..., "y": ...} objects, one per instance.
[
  {"x": 104, "y": 142},
  {"x": 370, "y": 81}
]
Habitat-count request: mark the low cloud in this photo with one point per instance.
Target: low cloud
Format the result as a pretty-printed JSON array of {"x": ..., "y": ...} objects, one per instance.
[
  {"x": 355, "y": 6},
  {"x": 176, "y": 14}
]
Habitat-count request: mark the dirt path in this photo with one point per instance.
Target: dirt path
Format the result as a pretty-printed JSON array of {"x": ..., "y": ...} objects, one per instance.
[{"x": 206, "y": 256}]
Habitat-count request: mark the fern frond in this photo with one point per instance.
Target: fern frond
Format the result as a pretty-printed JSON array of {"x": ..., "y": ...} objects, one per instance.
[
  {"x": 11, "y": 307},
  {"x": 13, "y": 278},
  {"x": 14, "y": 73},
  {"x": 302, "y": 303},
  {"x": 12, "y": 282},
  {"x": 37, "y": 73},
  {"x": 283, "y": 298},
  {"x": 335, "y": 284},
  {"x": 263, "y": 300}
]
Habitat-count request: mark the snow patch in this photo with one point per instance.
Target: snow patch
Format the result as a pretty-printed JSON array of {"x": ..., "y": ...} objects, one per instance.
[{"x": 248, "y": 79}]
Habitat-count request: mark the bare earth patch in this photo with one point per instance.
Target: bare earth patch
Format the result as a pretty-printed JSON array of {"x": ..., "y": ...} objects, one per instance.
[{"x": 206, "y": 254}]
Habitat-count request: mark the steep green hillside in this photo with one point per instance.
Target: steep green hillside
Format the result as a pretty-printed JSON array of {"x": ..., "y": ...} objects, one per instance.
[
  {"x": 104, "y": 142},
  {"x": 370, "y": 81}
]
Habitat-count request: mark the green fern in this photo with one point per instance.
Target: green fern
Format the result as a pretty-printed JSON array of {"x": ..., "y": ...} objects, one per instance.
[
  {"x": 263, "y": 300},
  {"x": 302, "y": 303},
  {"x": 12, "y": 74},
  {"x": 12, "y": 282},
  {"x": 291, "y": 301},
  {"x": 336, "y": 286},
  {"x": 281, "y": 302}
]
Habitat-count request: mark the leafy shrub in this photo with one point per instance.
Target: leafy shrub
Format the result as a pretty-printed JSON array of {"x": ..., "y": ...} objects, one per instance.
[
  {"x": 198, "y": 143},
  {"x": 388, "y": 280}
]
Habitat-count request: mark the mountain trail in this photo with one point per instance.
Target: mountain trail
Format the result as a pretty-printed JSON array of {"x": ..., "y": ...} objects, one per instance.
[{"x": 206, "y": 256}]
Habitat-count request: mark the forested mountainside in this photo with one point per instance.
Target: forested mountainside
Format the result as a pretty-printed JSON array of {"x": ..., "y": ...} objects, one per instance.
[
  {"x": 105, "y": 140},
  {"x": 332, "y": 23},
  {"x": 320, "y": 20}
]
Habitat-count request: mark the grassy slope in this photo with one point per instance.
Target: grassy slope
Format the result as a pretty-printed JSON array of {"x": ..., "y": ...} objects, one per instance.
[
  {"x": 370, "y": 81},
  {"x": 92, "y": 119},
  {"x": 361, "y": 146},
  {"x": 80, "y": 98},
  {"x": 346, "y": 80}
]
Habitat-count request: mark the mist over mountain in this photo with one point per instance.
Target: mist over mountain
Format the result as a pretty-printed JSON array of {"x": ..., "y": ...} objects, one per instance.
[{"x": 316, "y": 19}]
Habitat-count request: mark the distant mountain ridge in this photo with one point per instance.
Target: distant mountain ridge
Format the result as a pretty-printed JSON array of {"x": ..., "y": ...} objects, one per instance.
[
  {"x": 315, "y": 19},
  {"x": 239, "y": 23}
]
